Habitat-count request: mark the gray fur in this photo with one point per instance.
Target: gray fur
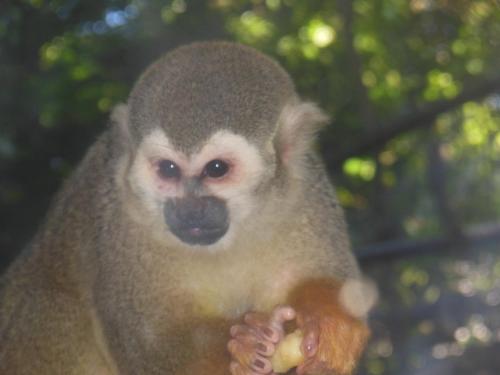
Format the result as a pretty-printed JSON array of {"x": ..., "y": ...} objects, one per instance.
[{"x": 200, "y": 88}]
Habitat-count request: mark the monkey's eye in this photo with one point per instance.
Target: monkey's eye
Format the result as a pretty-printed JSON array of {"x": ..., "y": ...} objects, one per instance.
[
  {"x": 168, "y": 169},
  {"x": 216, "y": 168}
]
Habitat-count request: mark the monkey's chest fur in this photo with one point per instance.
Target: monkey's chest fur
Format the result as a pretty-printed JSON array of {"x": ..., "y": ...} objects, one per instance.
[{"x": 229, "y": 290}]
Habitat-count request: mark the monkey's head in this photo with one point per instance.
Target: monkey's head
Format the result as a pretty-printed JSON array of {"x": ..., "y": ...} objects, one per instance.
[{"x": 213, "y": 131}]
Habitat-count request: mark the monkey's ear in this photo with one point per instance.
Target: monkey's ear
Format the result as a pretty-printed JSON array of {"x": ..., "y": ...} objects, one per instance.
[
  {"x": 120, "y": 126},
  {"x": 298, "y": 125}
]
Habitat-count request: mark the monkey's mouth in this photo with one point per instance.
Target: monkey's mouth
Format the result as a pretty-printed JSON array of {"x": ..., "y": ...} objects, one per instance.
[
  {"x": 198, "y": 235},
  {"x": 197, "y": 220}
]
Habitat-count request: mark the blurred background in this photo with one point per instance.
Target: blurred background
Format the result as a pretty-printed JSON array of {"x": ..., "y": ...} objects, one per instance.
[{"x": 413, "y": 87}]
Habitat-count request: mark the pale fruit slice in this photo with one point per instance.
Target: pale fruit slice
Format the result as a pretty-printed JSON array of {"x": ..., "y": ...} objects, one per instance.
[{"x": 288, "y": 353}]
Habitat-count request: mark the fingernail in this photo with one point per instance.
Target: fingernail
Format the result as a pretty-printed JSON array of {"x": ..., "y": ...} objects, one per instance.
[
  {"x": 261, "y": 347},
  {"x": 258, "y": 363},
  {"x": 268, "y": 331}
]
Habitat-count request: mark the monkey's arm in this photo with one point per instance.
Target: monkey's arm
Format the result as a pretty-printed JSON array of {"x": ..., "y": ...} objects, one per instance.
[{"x": 333, "y": 338}]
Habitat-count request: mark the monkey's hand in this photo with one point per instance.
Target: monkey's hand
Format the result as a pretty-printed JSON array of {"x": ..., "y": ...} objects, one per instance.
[
  {"x": 333, "y": 339},
  {"x": 253, "y": 343}
]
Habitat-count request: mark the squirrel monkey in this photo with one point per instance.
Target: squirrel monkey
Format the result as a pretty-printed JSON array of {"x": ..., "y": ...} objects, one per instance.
[{"x": 197, "y": 225}]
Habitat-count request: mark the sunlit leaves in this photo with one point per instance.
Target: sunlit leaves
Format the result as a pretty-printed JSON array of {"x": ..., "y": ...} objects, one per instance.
[
  {"x": 318, "y": 32},
  {"x": 78, "y": 79},
  {"x": 414, "y": 276},
  {"x": 62, "y": 51},
  {"x": 51, "y": 52},
  {"x": 479, "y": 11},
  {"x": 287, "y": 45},
  {"x": 171, "y": 11},
  {"x": 441, "y": 85},
  {"x": 475, "y": 66},
  {"x": 363, "y": 169},
  {"x": 387, "y": 157},
  {"x": 351, "y": 200},
  {"x": 376, "y": 366},
  {"x": 419, "y": 6},
  {"x": 250, "y": 27},
  {"x": 478, "y": 125},
  {"x": 432, "y": 294},
  {"x": 273, "y": 4},
  {"x": 366, "y": 42},
  {"x": 459, "y": 47}
]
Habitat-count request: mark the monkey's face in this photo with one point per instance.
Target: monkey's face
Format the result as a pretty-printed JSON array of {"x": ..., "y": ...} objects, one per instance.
[
  {"x": 202, "y": 197},
  {"x": 220, "y": 131}
]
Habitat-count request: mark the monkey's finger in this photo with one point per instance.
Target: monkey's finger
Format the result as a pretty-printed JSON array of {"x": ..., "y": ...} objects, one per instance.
[
  {"x": 248, "y": 357},
  {"x": 238, "y": 330},
  {"x": 280, "y": 315},
  {"x": 310, "y": 342},
  {"x": 246, "y": 329},
  {"x": 271, "y": 327},
  {"x": 240, "y": 353},
  {"x": 252, "y": 340},
  {"x": 256, "y": 318},
  {"x": 237, "y": 369},
  {"x": 262, "y": 366},
  {"x": 260, "y": 323}
]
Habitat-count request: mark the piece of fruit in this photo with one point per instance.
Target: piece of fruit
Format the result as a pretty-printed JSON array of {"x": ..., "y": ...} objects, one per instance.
[{"x": 288, "y": 353}]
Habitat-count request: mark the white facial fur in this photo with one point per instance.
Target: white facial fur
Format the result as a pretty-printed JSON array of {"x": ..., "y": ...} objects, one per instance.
[{"x": 246, "y": 170}]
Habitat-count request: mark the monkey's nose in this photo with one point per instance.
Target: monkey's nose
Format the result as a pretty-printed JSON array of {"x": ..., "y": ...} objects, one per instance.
[
  {"x": 191, "y": 211},
  {"x": 197, "y": 220}
]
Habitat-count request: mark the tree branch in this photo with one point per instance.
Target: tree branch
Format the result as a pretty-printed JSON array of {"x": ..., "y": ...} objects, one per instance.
[
  {"x": 478, "y": 236},
  {"x": 421, "y": 119}
]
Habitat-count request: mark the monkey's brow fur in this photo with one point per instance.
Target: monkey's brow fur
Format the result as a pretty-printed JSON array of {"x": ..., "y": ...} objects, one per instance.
[
  {"x": 206, "y": 88},
  {"x": 105, "y": 287}
]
